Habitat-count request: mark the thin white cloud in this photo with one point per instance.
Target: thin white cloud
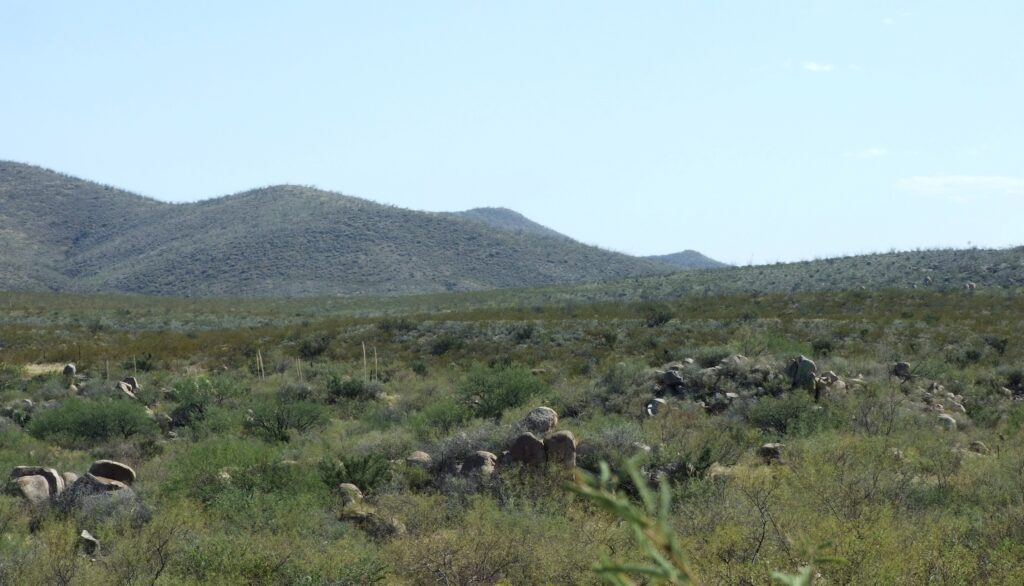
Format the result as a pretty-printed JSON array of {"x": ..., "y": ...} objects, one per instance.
[
  {"x": 870, "y": 153},
  {"x": 815, "y": 67},
  {"x": 963, "y": 188},
  {"x": 888, "y": 21}
]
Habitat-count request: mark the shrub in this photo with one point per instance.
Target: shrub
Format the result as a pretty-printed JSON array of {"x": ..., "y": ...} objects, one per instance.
[
  {"x": 275, "y": 421},
  {"x": 490, "y": 391},
  {"x": 367, "y": 472},
  {"x": 781, "y": 414},
  {"x": 314, "y": 346},
  {"x": 655, "y": 314},
  {"x": 344, "y": 387},
  {"x": 79, "y": 421}
]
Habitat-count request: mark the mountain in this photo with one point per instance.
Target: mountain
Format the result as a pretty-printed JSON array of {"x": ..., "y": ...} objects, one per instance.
[
  {"x": 60, "y": 233},
  {"x": 689, "y": 259},
  {"x": 506, "y": 219}
]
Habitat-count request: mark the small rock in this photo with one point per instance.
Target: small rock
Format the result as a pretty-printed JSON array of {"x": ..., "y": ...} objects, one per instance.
[
  {"x": 90, "y": 545},
  {"x": 801, "y": 371},
  {"x": 978, "y": 447},
  {"x": 69, "y": 370},
  {"x": 670, "y": 378},
  {"x": 69, "y": 478},
  {"x": 654, "y": 406},
  {"x": 126, "y": 389},
  {"x": 902, "y": 370}
]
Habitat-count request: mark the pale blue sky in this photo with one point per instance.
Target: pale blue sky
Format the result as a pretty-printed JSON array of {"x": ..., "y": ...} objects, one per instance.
[{"x": 752, "y": 131}]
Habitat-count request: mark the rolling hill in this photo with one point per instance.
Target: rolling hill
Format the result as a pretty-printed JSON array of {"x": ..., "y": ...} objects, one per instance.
[
  {"x": 60, "y": 233},
  {"x": 689, "y": 259}
]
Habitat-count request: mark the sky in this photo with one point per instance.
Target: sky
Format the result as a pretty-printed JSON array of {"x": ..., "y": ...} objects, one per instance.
[{"x": 754, "y": 132}]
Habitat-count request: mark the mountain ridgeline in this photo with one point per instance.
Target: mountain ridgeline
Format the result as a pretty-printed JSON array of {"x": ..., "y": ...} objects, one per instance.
[{"x": 60, "y": 233}]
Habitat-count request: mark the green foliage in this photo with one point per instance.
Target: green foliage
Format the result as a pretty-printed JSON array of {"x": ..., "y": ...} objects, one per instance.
[
  {"x": 650, "y": 524},
  {"x": 313, "y": 346},
  {"x": 345, "y": 387},
  {"x": 489, "y": 391},
  {"x": 78, "y": 421},
  {"x": 368, "y": 472},
  {"x": 781, "y": 415},
  {"x": 277, "y": 421}
]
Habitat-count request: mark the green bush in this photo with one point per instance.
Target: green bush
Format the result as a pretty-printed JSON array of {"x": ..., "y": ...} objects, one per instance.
[
  {"x": 367, "y": 472},
  {"x": 275, "y": 421},
  {"x": 79, "y": 421},
  {"x": 344, "y": 387},
  {"x": 780, "y": 414},
  {"x": 490, "y": 391}
]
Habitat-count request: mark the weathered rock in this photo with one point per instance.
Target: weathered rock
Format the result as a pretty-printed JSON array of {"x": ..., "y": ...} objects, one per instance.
[
  {"x": 670, "y": 378},
  {"x": 132, "y": 382},
  {"x": 113, "y": 470},
  {"x": 54, "y": 480},
  {"x": 479, "y": 463},
  {"x": 540, "y": 421},
  {"x": 654, "y": 406},
  {"x": 561, "y": 448},
  {"x": 970, "y": 286},
  {"x": 96, "y": 499},
  {"x": 928, "y": 280},
  {"x": 34, "y": 488},
  {"x": 420, "y": 459},
  {"x": 125, "y": 389},
  {"x": 69, "y": 370},
  {"x": 375, "y": 525},
  {"x": 947, "y": 421},
  {"x": 350, "y": 494},
  {"x": 801, "y": 372},
  {"x": 69, "y": 478},
  {"x": 770, "y": 453},
  {"x": 717, "y": 470},
  {"x": 527, "y": 449},
  {"x": 978, "y": 447},
  {"x": 90, "y": 545},
  {"x": 734, "y": 361},
  {"x": 902, "y": 370}
]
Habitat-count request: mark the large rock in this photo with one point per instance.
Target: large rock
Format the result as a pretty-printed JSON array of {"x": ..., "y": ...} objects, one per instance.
[
  {"x": 527, "y": 449},
  {"x": 54, "y": 480},
  {"x": 561, "y": 448},
  {"x": 902, "y": 370},
  {"x": 69, "y": 478},
  {"x": 947, "y": 421},
  {"x": 34, "y": 488},
  {"x": 671, "y": 379},
  {"x": 132, "y": 382},
  {"x": 113, "y": 470},
  {"x": 96, "y": 499},
  {"x": 350, "y": 494},
  {"x": 540, "y": 421},
  {"x": 770, "y": 453},
  {"x": 90, "y": 545},
  {"x": 125, "y": 389},
  {"x": 801, "y": 372},
  {"x": 479, "y": 463},
  {"x": 69, "y": 371},
  {"x": 420, "y": 459}
]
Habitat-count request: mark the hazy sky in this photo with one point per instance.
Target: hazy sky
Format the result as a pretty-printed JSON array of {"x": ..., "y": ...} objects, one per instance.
[{"x": 751, "y": 131}]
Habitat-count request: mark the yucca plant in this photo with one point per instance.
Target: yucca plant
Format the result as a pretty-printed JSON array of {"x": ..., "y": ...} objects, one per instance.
[{"x": 666, "y": 562}]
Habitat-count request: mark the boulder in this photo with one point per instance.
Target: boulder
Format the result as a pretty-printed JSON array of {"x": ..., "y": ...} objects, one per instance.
[
  {"x": 654, "y": 406},
  {"x": 561, "y": 448},
  {"x": 734, "y": 361},
  {"x": 902, "y": 370},
  {"x": 801, "y": 371},
  {"x": 113, "y": 470},
  {"x": 670, "y": 378},
  {"x": 947, "y": 421},
  {"x": 350, "y": 494},
  {"x": 375, "y": 525},
  {"x": 90, "y": 545},
  {"x": 527, "y": 449},
  {"x": 540, "y": 421},
  {"x": 126, "y": 389},
  {"x": 34, "y": 488},
  {"x": 132, "y": 382},
  {"x": 420, "y": 459},
  {"x": 54, "y": 480},
  {"x": 96, "y": 499},
  {"x": 770, "y": 453},
  {"x": 978, "y": 447},
  {"x": 69, "y": 371},
  {"x": 970, "y": 286},
  {"x": 479, "y": 463},
  {"x": 69, "y": 478}
]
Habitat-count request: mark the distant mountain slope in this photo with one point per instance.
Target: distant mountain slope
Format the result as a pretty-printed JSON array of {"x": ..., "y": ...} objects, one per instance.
[
  {"x": 506, "y": 219},
  {"x": 690, "y": 259},
  {"x": 61, "y": 233}
]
